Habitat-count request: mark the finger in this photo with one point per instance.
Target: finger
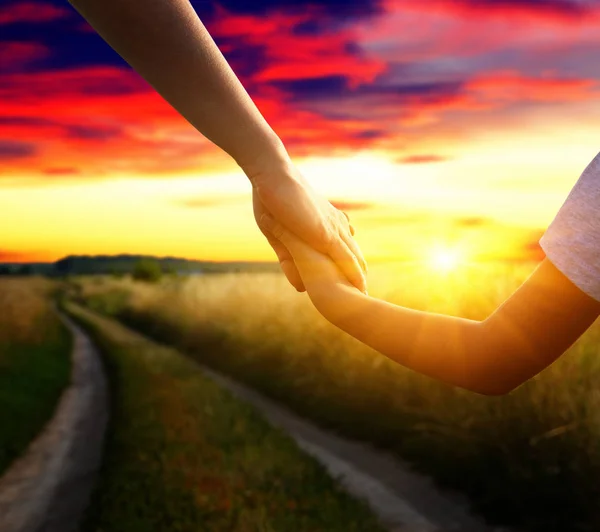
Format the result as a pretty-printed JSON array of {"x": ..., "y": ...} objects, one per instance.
[
  {"x": 269, "y": 224},
  {"x": 292, "y": 274},
  {"x": 286, "y": 262},
  {"x": 350, "y": 226},
  {"x": 351, "y": 243},
  {"x": 348, "y": 263}
]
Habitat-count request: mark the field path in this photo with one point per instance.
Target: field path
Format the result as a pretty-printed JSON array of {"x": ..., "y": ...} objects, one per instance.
[
  {"x": 48, "y": 487},
  {"x": 404, "y": 500}
]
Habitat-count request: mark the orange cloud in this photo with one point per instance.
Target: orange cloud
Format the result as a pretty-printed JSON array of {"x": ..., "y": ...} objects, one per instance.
[
  {"x": 423, "y": 159},
  {"x": 214, "y": 201},
  {"x": 7, "y": 255},
  {"x": 471, "y": 222},
  {"x": 61, "y": 172},
  {"x": 345, "y": 205}
]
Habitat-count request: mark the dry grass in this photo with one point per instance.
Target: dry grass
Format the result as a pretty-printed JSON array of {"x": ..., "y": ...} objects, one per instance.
[
  {"x": 24, "y": 308},
  {"x": 528, "y": 458},
  {"x": 184, "y": 455},
  {"x": 34, "y": 362}
]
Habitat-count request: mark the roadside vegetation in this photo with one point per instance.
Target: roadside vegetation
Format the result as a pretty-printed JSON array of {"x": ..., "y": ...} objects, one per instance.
[
  {"x": 528, "y": 459},
  {"x": 182, "y": 454},
  {"x": 35, "y": 350}
]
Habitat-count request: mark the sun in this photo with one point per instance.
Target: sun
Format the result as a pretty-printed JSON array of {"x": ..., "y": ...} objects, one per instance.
[{"x": 445, "y": 259}]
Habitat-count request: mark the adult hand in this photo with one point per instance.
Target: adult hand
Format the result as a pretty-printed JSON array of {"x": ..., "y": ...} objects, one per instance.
[
  {"x": 328, "y": 288},
  {"x": 317, "y": 271},
  {"x": 286, "y": 261},
  {"x": 280, "y": 190}
]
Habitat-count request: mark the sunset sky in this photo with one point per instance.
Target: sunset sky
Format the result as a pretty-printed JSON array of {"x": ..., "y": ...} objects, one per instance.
[{"x": 440, "y": 122}]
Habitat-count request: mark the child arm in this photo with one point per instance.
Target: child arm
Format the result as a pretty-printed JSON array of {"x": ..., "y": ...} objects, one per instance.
[{"x": 528, "y": 332}]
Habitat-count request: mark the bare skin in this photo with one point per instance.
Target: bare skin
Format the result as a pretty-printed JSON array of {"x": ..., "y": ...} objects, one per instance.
[
  {"x": 528, "y": 332},
  {"x": 167, "y": 44}
]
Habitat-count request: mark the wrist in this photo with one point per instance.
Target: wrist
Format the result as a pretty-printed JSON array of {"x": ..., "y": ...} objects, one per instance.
[
  {"x": 271, "y": 163},
  {"x": 337, "y": 302}
]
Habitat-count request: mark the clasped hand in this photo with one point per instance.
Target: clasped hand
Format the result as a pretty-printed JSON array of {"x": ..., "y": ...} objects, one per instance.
[{"x": 283, "y": 193}]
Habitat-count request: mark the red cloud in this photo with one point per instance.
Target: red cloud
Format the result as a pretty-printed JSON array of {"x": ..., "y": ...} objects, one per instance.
[
  {"x": 485, "y": 10},
  {"x": 104, "y": 120},
  {"x": 14, "y": 53},
  {"x": 62, "y": 171},
  {"x": 72, "y": 84},
  {"x": 340, "y": 65},
  {"x": 31, "y": 12},
  {"x": 563, "y": 10},
  {"x": 98, "y": 121},
  {"x": 507, "y": 86},
  {"x": 292, "y": 56}
]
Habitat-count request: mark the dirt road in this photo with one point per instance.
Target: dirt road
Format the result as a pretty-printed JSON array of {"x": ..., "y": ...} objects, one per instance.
[
  {"x": 404, "y": 500},
  {"x": 48, "y": 487}
]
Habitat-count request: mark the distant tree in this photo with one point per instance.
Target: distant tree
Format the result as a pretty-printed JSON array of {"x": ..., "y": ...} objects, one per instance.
[
  {"x": 169, "y": 269},
  {"x": 117, "y": 273},
  {"x": 4, "y": 270},
  {"x": 147, "y": 270},
  {"x": 25, "y": 269}
]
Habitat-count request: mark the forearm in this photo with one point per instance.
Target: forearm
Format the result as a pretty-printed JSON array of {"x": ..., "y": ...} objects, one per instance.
[
  {"x": 524, "y": 335},
  {"x": 442, "y": 347},
  {"x": 167, "y": 44}
]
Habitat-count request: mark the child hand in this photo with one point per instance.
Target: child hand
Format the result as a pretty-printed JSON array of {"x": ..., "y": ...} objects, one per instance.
[
  {"x": 281, "y": 190},
  {"x": 317, "y": 270}
]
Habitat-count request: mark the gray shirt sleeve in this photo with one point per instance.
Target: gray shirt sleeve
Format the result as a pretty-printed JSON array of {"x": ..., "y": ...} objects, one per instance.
[{"x": 572, "y": 241}]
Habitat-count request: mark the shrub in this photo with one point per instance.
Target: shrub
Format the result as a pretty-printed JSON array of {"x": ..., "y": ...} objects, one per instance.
[{"x": 147, "y": 270}]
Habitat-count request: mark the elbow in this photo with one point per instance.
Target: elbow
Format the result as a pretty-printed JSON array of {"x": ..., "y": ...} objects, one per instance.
[
  {"x": 493, "y": 387},
  {"x": 494, "y": 391},
  {"x": 489, "y": 371},
  {"x": 488, "y": 384}
]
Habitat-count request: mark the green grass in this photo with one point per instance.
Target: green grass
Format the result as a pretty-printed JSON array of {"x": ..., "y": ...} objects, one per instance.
[
  {"x": 183, "y": 455},
  {"x": 529, "y": 459},
  {"x": 35, "y": 352}
]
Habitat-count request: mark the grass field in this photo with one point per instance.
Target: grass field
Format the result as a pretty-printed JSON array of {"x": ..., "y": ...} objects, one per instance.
[
  {"x": 529, "y": 458},
  {"x": 183, "y": 455},
  {"x": 34, "y": 363}
]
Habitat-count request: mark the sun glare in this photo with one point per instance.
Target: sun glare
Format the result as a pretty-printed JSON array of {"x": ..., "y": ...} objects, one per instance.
[{"x": 444, "y": 259}]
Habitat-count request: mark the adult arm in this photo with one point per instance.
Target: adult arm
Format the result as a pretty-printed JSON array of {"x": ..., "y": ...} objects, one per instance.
[{"x": 168, "y": 45}]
